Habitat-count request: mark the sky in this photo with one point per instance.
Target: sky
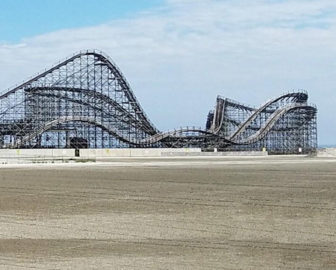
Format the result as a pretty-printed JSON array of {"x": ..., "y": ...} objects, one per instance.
[{"x": 178, "y": 55}]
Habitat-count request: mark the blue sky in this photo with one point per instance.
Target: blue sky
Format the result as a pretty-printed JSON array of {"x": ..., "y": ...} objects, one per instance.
[
  {"x": 24, "y": 18},
  {"x": 178, "y": 55}
]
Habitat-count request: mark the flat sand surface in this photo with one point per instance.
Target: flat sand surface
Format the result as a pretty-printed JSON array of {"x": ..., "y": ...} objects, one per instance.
[{"x": 170, "y": 213}]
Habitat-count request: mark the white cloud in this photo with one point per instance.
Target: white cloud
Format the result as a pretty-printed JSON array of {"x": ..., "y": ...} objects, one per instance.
[{"x": 180, "y": 56}]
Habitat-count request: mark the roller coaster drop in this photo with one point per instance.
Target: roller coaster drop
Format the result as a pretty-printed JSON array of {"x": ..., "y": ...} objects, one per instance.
[{"x": 85, "y": 101}]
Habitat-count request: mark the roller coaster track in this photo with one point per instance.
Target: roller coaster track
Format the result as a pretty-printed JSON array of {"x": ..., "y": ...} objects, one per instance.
[
  {"x": 219, "y": 113},
  {"x": 112, "y": 66},
  {"x": 88, "y": 88},
  {"x": 262, "y": 132},
  {"x": 67, "y": 119},
  {"x": 298, "y": 96},
  {"x": 176, "y": 133},
  {"x": 158, "y": 137},
  {"x": 270, "y": 123},
  {"x": 124, "y": 115},
  {"x": 148, "y": 141}
]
